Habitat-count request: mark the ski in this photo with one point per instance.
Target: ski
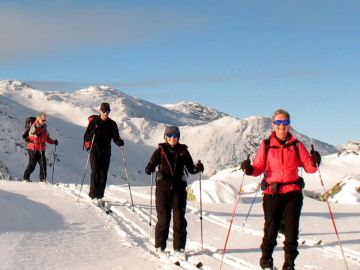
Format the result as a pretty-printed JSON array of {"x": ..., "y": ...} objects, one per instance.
[
  {"x": 107, "y": 209},
  {"x": 318, "y": 243},
  {"x": 198, "y": 265},
  {"x": 102, "y": 205},
  {"x": 184, "y": 264}
]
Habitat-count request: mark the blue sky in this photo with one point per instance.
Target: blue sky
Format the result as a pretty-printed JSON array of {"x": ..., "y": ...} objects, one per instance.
[{"x": 241, "y": 57}]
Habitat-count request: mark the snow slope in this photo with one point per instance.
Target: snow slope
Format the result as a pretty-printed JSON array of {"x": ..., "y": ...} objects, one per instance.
[{"x": 43, "y": 227}]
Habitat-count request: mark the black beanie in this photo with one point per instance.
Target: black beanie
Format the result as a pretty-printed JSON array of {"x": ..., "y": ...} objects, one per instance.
[
  {"x": 172, "y": 130},
  {"x": 105, "y": 107}
]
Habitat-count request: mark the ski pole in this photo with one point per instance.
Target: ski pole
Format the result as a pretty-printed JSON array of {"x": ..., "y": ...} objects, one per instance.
[
  {"x": 201, "y": 214},
  {"x": 330, "y": 212},
  {"x": 87, "y": 163},
  {"x": 231, "y": 221},
  {"x": 150, "y": 215},
  {"x": 127, "y": 177},
  {"x": 248, "y": 213},
  {"x": 53, "y": 168}
]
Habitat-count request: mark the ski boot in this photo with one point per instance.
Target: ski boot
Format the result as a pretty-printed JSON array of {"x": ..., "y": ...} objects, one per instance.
[{"x": 266, "y": 263}]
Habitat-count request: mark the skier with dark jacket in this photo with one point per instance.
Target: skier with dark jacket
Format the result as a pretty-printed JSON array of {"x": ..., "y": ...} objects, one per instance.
[
  {"x": 283, "y": 198},
  {"x": 173, "y": 161},
  {"x": 37, "y": 139},
  {"x": 104, "y": 129}
]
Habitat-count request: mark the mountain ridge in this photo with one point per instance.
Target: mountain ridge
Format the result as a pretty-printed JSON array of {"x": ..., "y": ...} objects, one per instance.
[{"x": 219, "y": 140}]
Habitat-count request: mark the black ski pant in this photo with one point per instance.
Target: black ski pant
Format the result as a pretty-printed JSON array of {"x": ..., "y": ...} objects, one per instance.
[
  {"x": 170, "y": 199},
  {"x": 36, "y": 157},
  {"x": 287, "y": 206},
  {"x": 99, "y": 163}
]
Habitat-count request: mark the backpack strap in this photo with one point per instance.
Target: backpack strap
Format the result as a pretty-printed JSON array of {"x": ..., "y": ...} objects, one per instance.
[
  {"x": 163, "y": 154},
  {"x": 267, "y": 146}
]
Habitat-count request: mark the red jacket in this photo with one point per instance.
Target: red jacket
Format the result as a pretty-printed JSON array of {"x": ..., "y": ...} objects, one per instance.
[
  {"x": 282, "y": 163},
  {"x": 38, "y": 137}
]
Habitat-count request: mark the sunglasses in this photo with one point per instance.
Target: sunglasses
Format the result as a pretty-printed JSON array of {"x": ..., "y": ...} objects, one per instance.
[
  {"x": 279, "y": 122},
  {"x": 107, "y": 112},
  {"x": 172, "y": 135},
  {"x": 43, "y": 120}
]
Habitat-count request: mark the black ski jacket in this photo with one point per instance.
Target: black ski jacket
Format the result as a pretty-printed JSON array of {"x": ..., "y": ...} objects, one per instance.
[
  {"x": 104, "y": 131},
  {"x": 171, "y": 162}
]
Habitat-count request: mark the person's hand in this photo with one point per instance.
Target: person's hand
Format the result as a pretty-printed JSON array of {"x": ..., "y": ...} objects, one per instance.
[
  {"x": 121, "y": 142},
  {"x": 246, "y": 166},
  {"x": 148, "y": 171},
  {"x": 315, "y": 157},
  {"x": 199, "y": 167},
  {"x": 56, "y": 142}
]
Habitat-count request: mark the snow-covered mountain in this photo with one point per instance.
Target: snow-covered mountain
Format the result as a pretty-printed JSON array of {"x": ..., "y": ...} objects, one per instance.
[{"x": 219, "y": 140}]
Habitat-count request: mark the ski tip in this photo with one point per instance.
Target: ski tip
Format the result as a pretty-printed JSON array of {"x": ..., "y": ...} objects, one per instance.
[{"x": 177, "y": 263}]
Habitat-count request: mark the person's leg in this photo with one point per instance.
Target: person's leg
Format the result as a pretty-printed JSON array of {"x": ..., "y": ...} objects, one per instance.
[
  {"x": 31, "y": 165},
  {"x": 292, "y": 211},
  {"x": 163, "y": 202},
  {"x": 42, "y": 164},
  {"x": 94, "y": 174},
  {"x": 273, "y": 208},
  {"x": 102, "y": 177},
  {"x": 180, "y": 223}
]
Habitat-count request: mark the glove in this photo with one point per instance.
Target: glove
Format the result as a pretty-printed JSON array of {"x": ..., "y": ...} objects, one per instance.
[
  {"x": 56, "y": 142},
  {"x": 315, "y": 157},
  {"x": 148, "y": 171},
  {"x": 246, "y": 166},
  {"x": 121, "y": 142},
  {"x": 199, "y": 167}
]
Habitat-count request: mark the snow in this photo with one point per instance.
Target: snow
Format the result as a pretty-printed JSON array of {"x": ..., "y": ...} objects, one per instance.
[{"x": 44, "y": 226}]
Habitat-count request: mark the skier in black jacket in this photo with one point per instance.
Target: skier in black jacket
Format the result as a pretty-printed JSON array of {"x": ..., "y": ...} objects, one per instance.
[
  {"x": 104, "y": 129},
  {"x": 173, "y": 160}
]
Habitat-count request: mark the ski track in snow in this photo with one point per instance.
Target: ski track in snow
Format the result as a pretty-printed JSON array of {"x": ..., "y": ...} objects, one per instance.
[{"x": 133, "y": 227}]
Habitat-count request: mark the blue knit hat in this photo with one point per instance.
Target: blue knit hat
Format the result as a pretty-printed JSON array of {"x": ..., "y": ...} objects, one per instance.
[{"x": 172, "y": 130}]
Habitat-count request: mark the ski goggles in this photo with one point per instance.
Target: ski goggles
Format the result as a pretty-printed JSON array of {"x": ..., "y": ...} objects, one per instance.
[
  {"x": 279, "y": 122},
  {"x": 174, "y": 135}
]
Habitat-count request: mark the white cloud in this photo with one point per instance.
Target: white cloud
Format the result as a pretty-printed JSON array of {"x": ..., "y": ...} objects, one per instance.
[{"x": 25, "y": 33}]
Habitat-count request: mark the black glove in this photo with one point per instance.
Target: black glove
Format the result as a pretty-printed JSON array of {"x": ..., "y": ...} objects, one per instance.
[
  {"x": 148, "y": 171},
  {"x": 246, "y": 166},
  {"x": 56, "y": 142},
  {"x": 199, "y": 167},
  {"x": 121, "y": 142},
  {"x": 315, "y": 157}
]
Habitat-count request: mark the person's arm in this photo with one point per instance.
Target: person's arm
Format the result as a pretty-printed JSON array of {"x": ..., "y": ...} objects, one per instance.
[
  {"x": 90, "y": 130},
  {"x": 153, "y": 163},
  {"x": 116, "y": 136},
  {"x": 306, "y": 159}
]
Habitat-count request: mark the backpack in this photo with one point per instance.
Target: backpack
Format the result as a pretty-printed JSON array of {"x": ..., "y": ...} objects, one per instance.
[
  {"x": 28, "y": 123},
  {"x": 87, "y": 144}
]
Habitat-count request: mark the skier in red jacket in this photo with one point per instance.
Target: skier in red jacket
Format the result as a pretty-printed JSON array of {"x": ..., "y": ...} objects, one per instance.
[
  {"x": 37, "y": 139},
  {"x": 279, "y": 158}
]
